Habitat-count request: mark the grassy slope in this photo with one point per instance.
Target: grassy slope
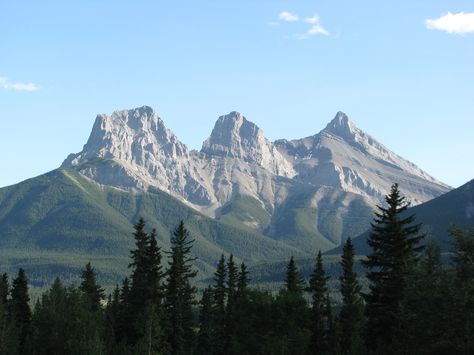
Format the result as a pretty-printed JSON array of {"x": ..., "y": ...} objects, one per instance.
[
  {"x": 437, "y": 215},
  {"x": 53, "y": 224}
]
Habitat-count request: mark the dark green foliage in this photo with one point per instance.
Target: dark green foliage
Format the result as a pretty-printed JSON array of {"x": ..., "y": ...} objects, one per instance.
[
  {"x": 207, "y": 329},
  {"x": 65, "y": 324},
  {"x": 293, "y": 282},
  {"x": 243, "y": 279},
  {"x": 219, "y": 306},
  {"x": 394, "y": 242},
  {"x": 20, "y": 312},
  {"x": 352, "y": 310},
  {"x": 179, "y": 294},
  {"x": 464, "y": 285},
  {"x": 319, "y": 311},
  {"x": 93, "y": 292}
]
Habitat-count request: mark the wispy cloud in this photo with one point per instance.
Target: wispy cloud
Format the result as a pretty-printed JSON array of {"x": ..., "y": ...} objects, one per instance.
[
  {"x": 458, "y": 23},
  {"x": 6, "y": 84},
  {"x": 315, "y": 29},
  {"x": 288, "y": 17}
]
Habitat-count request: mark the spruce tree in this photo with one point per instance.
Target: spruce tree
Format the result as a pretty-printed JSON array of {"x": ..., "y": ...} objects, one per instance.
[
  {"x": 92, "y": 291},
  {"x": 351, "y": 314},
  {"x": 206, "y": 336},
  {"x": 4, "y": 289},
  {"x": 243, "y": 279},
  {"x": 179, "y": 294},
  {"x": 5, "y": 327},
  {"x": 394, "y": 242},
  {"x": 146, "y": 289},
  {"x": 463, "y": 259},
  {"x": 319, "y": 311},
  {"x": 232, "y": 280},
  {"x": 219, "y": 306},
  {"x": 294, "y": 282},
  {"x": 20, "y": 311}
]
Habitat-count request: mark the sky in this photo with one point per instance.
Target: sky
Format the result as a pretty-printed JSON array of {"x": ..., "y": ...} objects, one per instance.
[{"x": 403, "y": 71}]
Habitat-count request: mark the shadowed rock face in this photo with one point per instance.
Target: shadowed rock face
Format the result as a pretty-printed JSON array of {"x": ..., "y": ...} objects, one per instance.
[{"x": 132, "y": 149}]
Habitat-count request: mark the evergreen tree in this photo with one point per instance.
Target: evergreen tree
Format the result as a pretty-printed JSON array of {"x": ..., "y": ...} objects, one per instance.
[
  {"x": 219, "y": 306},
  {"x": 93, "y": 292},
  {"x": 7, "y": 346},
  {"x": 20, "y": 311},
  {"x": 351, "y": 314},
  {"x": 4, "y": 289},
  {"x": 146, "y": 290},
  {"x": 463, "y": 259},
  {"x": 243, "y": 279},
  {"x": 206, "y": 335},
  {"x": 319, "y": 311},
  {"x": 232, "y": 280},
  {"x": 394, "y": 242},
  {"x": 179, "y": 294},
  {"x": 293, "y": 281}
]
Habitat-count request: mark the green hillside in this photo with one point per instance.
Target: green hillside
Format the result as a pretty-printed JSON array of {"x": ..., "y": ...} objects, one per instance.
[
  {"x": 455, "y": 207},
  {"x": 55, "y": 223}
]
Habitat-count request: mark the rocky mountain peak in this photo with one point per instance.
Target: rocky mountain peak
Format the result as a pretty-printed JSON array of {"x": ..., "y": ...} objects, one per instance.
[
  {"x": 341, "y": 126},
  {"x": 131, "y": 136},
  {"x": 234, "y": 136}
]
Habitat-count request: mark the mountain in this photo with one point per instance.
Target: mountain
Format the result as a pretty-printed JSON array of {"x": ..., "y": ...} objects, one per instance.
[
  {"x": 53, "y": 224},
  {"x": 437, "y": 216},
  {"x": 344, "y": 157},
  {"x": 241, "y": 193}
]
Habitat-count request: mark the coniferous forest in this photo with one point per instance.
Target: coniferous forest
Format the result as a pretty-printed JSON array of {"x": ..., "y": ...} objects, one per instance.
[{"x": 414, "y": 303}]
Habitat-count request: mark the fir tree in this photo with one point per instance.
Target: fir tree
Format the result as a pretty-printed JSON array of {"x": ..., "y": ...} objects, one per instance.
[
  {"x": 179, "y": 294},
  {"x": 219, "y": 306},
  {"x": 20, "y": 311},
  {"x": 351, "y": 314},
  {"x": 394, "y": 242},
  {"x": 319, "y": 326},
  {"x": 93, "y": 292},
  {"x": 146, "y": 293},
  {"x": 4, "y": 289},
  {"x": 463, "y": 259},
  {"x": 293, "y": 281},
  {"x": 232, "y": 279},
  {"x": 206, "y": 335},
  {"x": 243, "y": 279}
]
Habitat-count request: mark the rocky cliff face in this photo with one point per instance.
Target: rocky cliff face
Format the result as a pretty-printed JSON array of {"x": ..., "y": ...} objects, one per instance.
[
  {"x": 132, "y": 149},
  {"x": 343, "y": 156}
]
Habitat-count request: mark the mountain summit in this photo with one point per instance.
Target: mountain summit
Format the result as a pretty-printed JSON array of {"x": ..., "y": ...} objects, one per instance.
[{"x": 239, "y": 176}]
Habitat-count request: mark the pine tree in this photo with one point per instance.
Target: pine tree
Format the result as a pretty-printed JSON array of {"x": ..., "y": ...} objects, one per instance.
[
  {"x": 6, "y": 345},
  {"x": 93, "y": 292},
  {"x": 243, "y": 279},
  {"x": 293, "y": 281},
  {"x": 463, "y": 259},
  {"x": 351, "y": 314},
  {"x": 146, "y": 290},
  {"x": 219, "y": 305},
  {"x": 20, "y": 311},
  {"x": 394, "y": 242},
  {"x": 207, "y": 329},
  {"x": 232, "y": 279},
  {"x": 179, "y": 294},
  {"x": 319, "y": 326}
]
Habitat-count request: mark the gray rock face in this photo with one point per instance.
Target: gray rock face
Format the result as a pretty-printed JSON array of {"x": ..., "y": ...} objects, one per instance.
[
  {"x": 132, "y": 149},
  {"x": 343, "y": 156}
]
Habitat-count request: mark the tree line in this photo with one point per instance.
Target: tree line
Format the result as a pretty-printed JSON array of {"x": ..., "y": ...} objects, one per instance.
[{"x": 414, "y": 303}]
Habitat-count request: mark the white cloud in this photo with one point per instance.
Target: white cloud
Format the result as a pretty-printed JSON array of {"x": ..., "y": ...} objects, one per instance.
[
  {"x": 315, "y": 29},
  {"x": 6, "y": 84},
  {"x": 288, "y": 16},
  {"x": 312, "y": 20},
  {"x": 459, "y": 23}
]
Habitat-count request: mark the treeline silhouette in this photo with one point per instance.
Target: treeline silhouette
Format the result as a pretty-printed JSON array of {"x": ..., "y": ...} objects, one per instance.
[{"x": 414, "y": 304}]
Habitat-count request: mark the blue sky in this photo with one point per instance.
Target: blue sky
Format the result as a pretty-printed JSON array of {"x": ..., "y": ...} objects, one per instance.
[{"x": 402, "y": 70}]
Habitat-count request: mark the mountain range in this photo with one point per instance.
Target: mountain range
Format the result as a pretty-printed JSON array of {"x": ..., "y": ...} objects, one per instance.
[{"x": 239, "y": 194}]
